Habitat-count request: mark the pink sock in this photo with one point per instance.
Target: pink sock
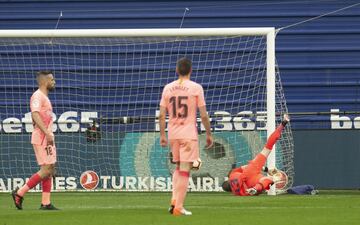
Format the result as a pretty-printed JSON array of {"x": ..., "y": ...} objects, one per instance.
[
  {"x": 45, "y": 198},
  {"x": 175, "y": 178},
  {"x": 181, "y": 188},
  {"x": 46, "y": 189},
  {"x": 32, "y": 182}
]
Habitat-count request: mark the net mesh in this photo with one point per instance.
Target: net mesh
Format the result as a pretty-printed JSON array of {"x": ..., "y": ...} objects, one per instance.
[{"x": 123, "y": 77}]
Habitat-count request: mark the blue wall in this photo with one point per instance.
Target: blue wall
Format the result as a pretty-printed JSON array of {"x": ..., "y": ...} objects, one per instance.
[
  {"x": 328, "y": 159},
  {"x": 319, "y": 61}
]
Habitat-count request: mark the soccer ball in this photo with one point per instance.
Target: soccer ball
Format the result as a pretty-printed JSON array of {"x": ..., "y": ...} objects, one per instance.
[
  {"x": 280, "y": 179},
  {"x": 196, "y": 164}
]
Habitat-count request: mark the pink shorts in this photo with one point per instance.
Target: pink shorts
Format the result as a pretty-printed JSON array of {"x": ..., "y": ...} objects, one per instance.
[
  {"x": 45, "y": 155},
  {"x": 184, "y": 150}
]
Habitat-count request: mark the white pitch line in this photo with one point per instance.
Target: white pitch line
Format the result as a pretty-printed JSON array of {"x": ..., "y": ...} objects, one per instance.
[{"x": 208, "y": 207}]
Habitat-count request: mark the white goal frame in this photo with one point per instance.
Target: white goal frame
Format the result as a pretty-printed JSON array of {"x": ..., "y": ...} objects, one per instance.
[{"x": 178, "y": 32}]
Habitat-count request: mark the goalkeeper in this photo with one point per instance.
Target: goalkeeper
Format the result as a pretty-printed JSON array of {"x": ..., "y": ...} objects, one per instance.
[{"x": 248, "y": 179}]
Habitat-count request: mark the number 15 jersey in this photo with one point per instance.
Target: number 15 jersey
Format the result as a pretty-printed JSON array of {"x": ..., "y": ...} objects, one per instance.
[{"x": 182, "y": 98}]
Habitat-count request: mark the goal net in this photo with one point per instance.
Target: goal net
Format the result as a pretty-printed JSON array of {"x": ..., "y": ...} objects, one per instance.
[{"x": 106, "y": 102}]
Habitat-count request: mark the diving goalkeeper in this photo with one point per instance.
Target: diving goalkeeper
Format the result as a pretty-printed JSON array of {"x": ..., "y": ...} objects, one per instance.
[{"x": 248, "y": 179}]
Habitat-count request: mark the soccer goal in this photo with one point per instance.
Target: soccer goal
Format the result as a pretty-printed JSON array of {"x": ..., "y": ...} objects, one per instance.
[{"x": 106, "y": 102}]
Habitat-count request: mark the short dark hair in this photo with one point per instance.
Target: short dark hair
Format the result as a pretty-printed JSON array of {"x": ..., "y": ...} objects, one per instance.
[
  {"x": 43, "y": 73},
  {"x": 184, "y": 66},
  {"x": 226, "y": 186}
]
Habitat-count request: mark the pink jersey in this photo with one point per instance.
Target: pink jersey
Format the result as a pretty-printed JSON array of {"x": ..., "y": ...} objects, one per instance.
[
  {"x": 39, "y": 102},
  {"x": 181, "y": 99}
]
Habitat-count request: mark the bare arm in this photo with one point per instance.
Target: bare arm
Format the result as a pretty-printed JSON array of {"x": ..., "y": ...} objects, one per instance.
[
  {"x": 162, "y": 116},
  {"x": 162, "y": 120},
  {"x": 205, "y": 119},
  {"x": 206, "y": 122},
  {"x": 38, "y": 121}
]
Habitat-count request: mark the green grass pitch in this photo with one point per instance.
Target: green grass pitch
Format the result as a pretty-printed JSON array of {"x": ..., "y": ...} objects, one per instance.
[{"x": 329, "y": 207}]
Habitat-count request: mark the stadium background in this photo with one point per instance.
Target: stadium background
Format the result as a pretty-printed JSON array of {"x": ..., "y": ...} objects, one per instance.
[{"x": 319, "y": 61}]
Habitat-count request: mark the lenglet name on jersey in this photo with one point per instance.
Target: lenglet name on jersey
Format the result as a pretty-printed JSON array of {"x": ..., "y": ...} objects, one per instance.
[{"x": 179, "y": 87}]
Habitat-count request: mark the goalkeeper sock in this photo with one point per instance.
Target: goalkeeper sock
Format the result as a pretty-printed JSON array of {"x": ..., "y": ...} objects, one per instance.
[
  {"x": 181, "y": 188},
  {"x": 274, "y": 137},
  {"x": 32, "y": 182},
  {"x": 46, "y": 189}
]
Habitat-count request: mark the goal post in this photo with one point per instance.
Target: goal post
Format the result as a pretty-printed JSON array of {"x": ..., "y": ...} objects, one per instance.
[
  {"x": 270, "y": 97},
  {"x": 106, "y": 74},
  {"x": 166, "y": 32}
]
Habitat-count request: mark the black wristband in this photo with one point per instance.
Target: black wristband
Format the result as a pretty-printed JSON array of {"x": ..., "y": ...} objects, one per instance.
[
  {"x": 265, "y": 169},
  {"x": 284, "y": 122}
]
